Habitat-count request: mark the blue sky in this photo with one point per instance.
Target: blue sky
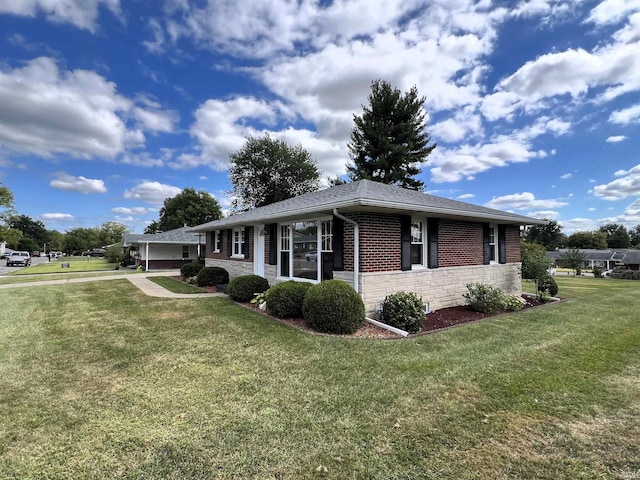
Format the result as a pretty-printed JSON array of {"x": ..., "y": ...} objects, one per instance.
[{"x": 107, "y": 107}]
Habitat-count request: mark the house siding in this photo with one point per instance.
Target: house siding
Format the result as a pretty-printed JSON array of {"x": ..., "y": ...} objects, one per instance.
[{"x": 223, "y": 255}]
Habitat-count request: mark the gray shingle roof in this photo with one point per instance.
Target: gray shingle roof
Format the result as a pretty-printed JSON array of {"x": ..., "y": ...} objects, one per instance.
[
  {"x": 182, "y": 235},
  {"x": 365, "y": 195}
]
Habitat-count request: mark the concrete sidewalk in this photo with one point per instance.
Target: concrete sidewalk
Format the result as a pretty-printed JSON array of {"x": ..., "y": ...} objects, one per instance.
[{"x": 138, "y": 279}]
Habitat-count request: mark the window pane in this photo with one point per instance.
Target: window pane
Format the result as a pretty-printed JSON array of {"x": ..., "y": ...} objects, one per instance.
[
  {"x": 416, "y": 232},
  {"x": 416, "y": 253},
  {"x": 305, "y": 250},
  {"x": 327, "y": 236}
]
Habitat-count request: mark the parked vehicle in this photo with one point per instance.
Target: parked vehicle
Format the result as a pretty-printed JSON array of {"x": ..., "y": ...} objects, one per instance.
[
  {"x": 311, "y": 256},
  {"x": 22, "y": 259},
  {"x": 6, "y": 254},
  {"x": 95, "y": 252}
]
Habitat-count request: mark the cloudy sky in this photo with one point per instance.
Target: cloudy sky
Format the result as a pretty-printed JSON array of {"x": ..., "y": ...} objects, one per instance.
[{"x": 107, "y": 107}]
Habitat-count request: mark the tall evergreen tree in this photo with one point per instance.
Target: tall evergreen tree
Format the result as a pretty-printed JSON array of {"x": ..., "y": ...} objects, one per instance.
[{"x": 389, "y": 140}]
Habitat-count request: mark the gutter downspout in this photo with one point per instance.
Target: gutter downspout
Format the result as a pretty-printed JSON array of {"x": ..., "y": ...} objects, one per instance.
[
  {"x": 146, "y": 259},
  {"x": 356, "y": 248}
]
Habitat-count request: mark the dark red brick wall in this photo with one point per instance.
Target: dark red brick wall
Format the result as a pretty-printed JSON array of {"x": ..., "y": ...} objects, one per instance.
[{"x": 459, "y": 243}]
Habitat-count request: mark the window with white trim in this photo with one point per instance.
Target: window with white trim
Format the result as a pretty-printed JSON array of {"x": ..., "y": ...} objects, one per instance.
[
  {"x": 417, "y": 242},
  {"x": 493, "y": 244},
  {"x": 185, "y": 251},
  {"x": 216, "y": 241},
  {"x": 301, "y": 245},
  {"x": 238, "y": 242}
]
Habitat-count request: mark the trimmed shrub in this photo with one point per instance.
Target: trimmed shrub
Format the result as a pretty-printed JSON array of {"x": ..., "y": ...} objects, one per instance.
[
  {"x": 626, "y": 274},
  {"x": 212, "y": 276},
  {"x": 403, "y": 310},
  {"x": 512, "y": 303},
  {"x": 244, "y": 287},
  {"x": 598, "y": 272},
  {"x": 484, "y": 298},
  {"x": 333, "y": 306},
  {"x": 285, "y": 299},
  {"x": 191, "y": 269},
  {"x": 548, "y": 284}
]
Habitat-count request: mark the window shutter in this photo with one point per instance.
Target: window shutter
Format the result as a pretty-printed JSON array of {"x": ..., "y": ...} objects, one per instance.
[
  {"x": 486, "y": 247},
  {"x": 405, "y": 242},
  {"x": 502, "y": 243},
  {"x": 245, "y": 244},
  {"x": 229, "y": 242},
  {"x": 432, "y": 241},
  {"x": 338, "y": 244},
  {"x": 273, "y": 243},
  {"x": 327, "y": 266}
]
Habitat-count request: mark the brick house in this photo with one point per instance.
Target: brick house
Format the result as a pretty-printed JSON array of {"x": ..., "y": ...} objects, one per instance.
[{"x": 378, "y": 238}]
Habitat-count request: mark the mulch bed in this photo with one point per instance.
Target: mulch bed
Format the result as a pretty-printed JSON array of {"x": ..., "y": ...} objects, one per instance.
[{"x": 437, "y": 320}]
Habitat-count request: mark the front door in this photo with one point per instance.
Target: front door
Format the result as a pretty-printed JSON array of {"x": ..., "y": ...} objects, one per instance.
[{"x": 258, "y": 250}]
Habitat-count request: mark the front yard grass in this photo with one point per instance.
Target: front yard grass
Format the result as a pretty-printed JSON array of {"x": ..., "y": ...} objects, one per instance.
[{"x": 99, "y": 381}]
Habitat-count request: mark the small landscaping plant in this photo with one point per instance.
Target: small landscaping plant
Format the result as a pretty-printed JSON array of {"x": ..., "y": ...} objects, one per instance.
[
  {"x": 549, "y": 285},
  {"x": 244, "y": 287},
  {"x": 285, "y": 299},
  {"x": 333, "y": 306},
  {"x": 512, "y": 303},
  {"x": 212, "y": 276},
  {"x": 404, "y": 310},
  {"x": 189, "y": 270},
  {"x": 484, "y": 298}
]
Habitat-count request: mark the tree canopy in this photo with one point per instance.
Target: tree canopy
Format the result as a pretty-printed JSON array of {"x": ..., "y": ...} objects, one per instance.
[
  {"x": 550, "y": 236},
  {"x": 596, "y": 240},
  {"x": 617, "y": 235},
  {"x": 389, "y": 140},
  {"x": 266, "y": 170},
  {"x": 188, "y": 208}
]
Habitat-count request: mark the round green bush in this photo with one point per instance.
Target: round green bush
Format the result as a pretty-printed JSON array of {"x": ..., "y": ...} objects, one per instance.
[
  {"x": 189, "y": 270},
  {"x": 212, "y": 276},
  {"x": 244, "y": 287},
  {"x": 404, "y": 310},
  {"x": 333, "y": 306},
  {"x": 548, "y": 284},
  {"x": 285, "y": 299}
]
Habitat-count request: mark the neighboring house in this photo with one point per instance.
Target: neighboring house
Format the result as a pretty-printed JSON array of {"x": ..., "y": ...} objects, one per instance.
[
  {"x": 170, "y": 249},
  {"x": 605, "y": 259},
  {"x": 379, "y": 238}
]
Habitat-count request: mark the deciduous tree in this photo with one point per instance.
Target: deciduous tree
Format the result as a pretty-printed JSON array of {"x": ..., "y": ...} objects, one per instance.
[
  {"x": 616, "y": 235},
  {"x": 266, "y": 170},
  {"x": 550, "y": 236},
  {"x": 389, "y": 140},
  {"x": 188, "y": 208}
]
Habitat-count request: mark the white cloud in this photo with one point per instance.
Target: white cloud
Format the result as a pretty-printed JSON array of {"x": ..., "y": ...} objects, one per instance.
[
  {"x": 523, "y": 201},
  {"x": 78, "y": 184},
  {"x": 626, "y": 115},
  {"x": 154, "y": 193},
  {"x": 465, "y": 196},
  {"x": 566, "y": 176},
  {"x": 57, "y": 216},
  {"x": 616, "y": 139},
  {"x": 550, "y": 214},
  {"x": 611, "y": 11},
  {"x": 627, "y": 185},
  {"x": 47, "y": 111},
  {"x": 81, "y": 13},
  {"x": 132, "y": 211}
]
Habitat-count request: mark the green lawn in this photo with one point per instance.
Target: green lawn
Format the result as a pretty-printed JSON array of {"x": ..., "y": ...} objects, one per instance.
[
  {"x": 99, "y": 381},
  {"x": 76, "y": 264}
]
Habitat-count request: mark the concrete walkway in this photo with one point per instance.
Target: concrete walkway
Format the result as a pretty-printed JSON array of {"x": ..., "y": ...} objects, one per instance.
[{"x": 138, "y": 279}]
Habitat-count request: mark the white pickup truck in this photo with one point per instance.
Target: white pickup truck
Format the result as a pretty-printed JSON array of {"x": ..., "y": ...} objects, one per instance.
[{"x": 19, "y": 259}]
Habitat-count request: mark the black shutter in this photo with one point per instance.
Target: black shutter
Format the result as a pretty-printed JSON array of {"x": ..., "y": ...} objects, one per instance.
[
  {"x": 327, "y": 266},
  {"x": 432, "y": 242},
  {"x": 229, "y": 242},
  {"x": 245, "y": 244},
  {"x": 338, "y": 244},
  {"x": 273, "y": 243},
  {"x": 284, "y": 264},
  {"x": 486, "y": 246},
  {"x": 502, "y": 243},
  {"x": 405, "y": 242}
]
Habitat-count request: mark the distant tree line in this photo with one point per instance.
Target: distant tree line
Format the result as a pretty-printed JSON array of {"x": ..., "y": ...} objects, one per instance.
[{"x": 611, "y": 235}]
